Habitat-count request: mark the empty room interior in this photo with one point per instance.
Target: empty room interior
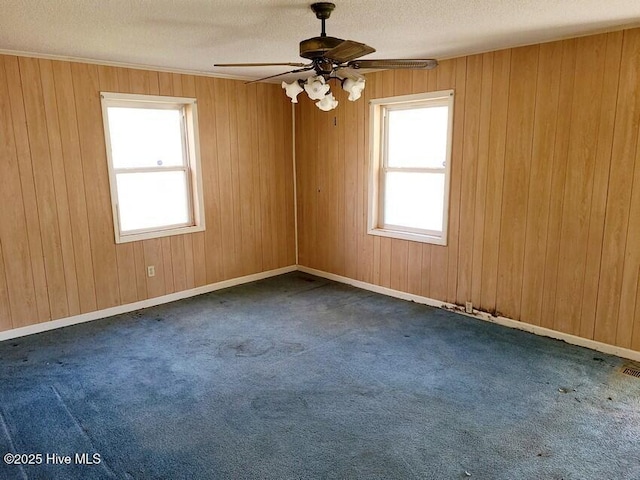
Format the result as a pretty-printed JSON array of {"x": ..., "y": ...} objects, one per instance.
[{"x": 292, "y": 240}]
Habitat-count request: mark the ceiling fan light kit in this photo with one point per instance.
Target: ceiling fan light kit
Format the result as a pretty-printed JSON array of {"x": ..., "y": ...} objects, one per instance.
[{"x": 333, "y": 58}]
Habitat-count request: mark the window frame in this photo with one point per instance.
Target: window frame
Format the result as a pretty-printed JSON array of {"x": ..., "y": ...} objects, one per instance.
[
  {"x": 379, "y": 165},
  {"x": 191, "y": 165}
]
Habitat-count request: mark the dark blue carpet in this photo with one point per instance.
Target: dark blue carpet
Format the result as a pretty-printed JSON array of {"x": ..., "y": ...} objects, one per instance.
[{"x": 297, "y": 377}]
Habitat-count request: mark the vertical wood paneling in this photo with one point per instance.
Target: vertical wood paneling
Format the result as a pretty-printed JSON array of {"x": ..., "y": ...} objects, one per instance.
[
  {"x": 60, "y": 186},
  {"x": 351, "y": 188},
  {"x": 5, "y": 308},
  {"x": 563, "y": 125},
  {"x": 366, "y": 245},
  {"x": 58, "y": 255},
  {"x": 495, "y": 180},
  {"x": 438, "y": 280},
  {"x": 520, "y": 114},
  {"x": 29, "y": 198},
  {"x": 19, "y": 278},
  {"x": 455, "y": 189},
  {"x": 545, "y": 188},
  {"x": 469, "y": 180},
  {"x": 481, "y": 179},
  {"x": 76, "y": 192},
  {"x": 601, "y": 184},
  {"x": 92, "y": 147},
  {"x": 45, "y": 189},
  {"x": 544, "y": 129},
  {"x": 623, "y": 157},
  {"x": 206, "y": 121},
  {"x": 583, "y": 136},
  {"x": 194, "y": 250},
  {"x": 118, "y": 80}
]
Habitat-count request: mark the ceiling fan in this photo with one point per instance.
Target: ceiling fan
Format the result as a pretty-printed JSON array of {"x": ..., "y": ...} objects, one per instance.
[{"x": 333, "y": 58}]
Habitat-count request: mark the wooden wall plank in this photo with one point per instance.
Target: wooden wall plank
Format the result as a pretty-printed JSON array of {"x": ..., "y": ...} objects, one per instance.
[
  {"x": 563, "y": 125},
  {"x": 351, "y": 188},
  {"x": 635, "y": 342},
  {"x": 245, "y": 187},
  {"x": 468, "y": 177},
  {"x": 520, "y": 113},
  {"x": 601, "y": 184},
  {"x": 110, "y": 80},
  {"x": 92, "y": 147},
  {"x": 542, "y": 168},
  {"x": 631, "y": 271},
  {"x": 207, "y": 124},
  {"x": 76, "y": 192},
  {"x": 455, "y": 189},
  {"x": 265, "y": 142},
  {"x": 583, "y": 135},
  {"x": 625, "y": 142},
  {"x": 60, "y": 186},
  {"x": 366, "y": 242},
  {"x": 194, "y": 251},
  {"x": 234, "y": 184},
  {"x": 141, "y": 271},
  {"x": 44, "y": 186},
  {"x": 17, "y": 269},
  {"x": 439, "y": 279},
  {"x": 23, "y": 152},
  {"x": 5, "y": 307},
  {"x": 287, "y": 166},
  {"x": 480, "y": 200},
  {"x": 495, "y": 180}
]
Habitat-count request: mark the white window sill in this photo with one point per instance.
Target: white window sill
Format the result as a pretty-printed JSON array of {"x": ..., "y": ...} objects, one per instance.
[
  {"x": 411, "y": 236},
  {"x": 134, "y": 237}
]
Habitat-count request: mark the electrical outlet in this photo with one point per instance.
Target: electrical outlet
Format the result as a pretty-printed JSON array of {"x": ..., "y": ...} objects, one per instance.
[
  {"x": 151, "y": 271},
  {"x": 468, "y": 307}
]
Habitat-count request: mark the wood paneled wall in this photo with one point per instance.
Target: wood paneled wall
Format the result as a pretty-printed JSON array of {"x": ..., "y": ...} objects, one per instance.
[
  {"x": 57, "y": 252},
  {"x": 544, "y": 212}
]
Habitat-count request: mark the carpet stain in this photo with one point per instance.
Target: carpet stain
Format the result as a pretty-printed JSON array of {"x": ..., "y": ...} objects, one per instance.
[
  {"x": 279, "y": 404},
  {"x": 248, "y": 347},
  {"x": 290, "y": 348},
  {"x": 257, "y": 347}
]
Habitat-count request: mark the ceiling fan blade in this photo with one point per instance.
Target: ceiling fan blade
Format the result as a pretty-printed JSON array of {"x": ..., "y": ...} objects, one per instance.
[
  {"x": 424, "y": 64},
  {"x": 346, "y": 72},
  {"x": 298, "y": 70},
  {"x": 348, "y": 50},
  {"x": 290, "y": 64}
]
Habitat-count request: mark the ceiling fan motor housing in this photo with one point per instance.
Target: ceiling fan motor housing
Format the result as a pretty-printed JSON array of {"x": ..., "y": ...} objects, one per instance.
[{"x": 317, "y": 46}]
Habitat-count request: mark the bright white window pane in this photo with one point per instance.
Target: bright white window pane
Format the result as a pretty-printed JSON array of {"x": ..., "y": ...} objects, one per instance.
[
  {"x": 414, "y": 200},
  {"x": 150, "y": 200},
  {"x": 418, "y": 137},
  {"x": 142, "y": 137}
]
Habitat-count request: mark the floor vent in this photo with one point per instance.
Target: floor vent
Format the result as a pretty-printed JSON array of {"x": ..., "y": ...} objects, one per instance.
[{"x": 634, "y": 372}]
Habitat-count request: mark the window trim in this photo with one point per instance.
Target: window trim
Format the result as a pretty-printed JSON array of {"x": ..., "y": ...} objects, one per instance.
[
  {"x": 191, "y": 145},
  {"x": 378, "y": 162}
]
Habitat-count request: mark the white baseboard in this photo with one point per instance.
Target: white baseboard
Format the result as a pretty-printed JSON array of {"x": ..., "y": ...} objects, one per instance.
[
  {"x": 507, "y": 322},
  {"x": 130, "y": 307}
]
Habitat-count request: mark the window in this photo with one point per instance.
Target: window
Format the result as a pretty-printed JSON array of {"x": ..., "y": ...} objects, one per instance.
[
  {"x": 154, "y": 168},
  {"x": 410, "y": 165}
]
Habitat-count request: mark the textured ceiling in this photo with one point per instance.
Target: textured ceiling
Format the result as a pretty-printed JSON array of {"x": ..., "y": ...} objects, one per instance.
[{"x": 192, "y": 35}]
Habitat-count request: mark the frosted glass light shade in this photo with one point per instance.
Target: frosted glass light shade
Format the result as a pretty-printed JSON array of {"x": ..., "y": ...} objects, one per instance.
[
  {"x": 292, "y": 90},
  {"x": 327, "y": 103},
  {"x": 354, "y": 87},
  {"x": 316, "y": 87}
]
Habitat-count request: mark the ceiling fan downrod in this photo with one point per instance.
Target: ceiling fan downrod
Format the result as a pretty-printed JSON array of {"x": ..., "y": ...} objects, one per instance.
[{"x": 323, "y": 11}]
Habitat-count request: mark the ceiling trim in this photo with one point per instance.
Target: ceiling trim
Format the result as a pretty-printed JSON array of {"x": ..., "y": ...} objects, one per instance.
[
  {"x": 154, "y": 68},
  {"x": 106, "y": 63}
]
